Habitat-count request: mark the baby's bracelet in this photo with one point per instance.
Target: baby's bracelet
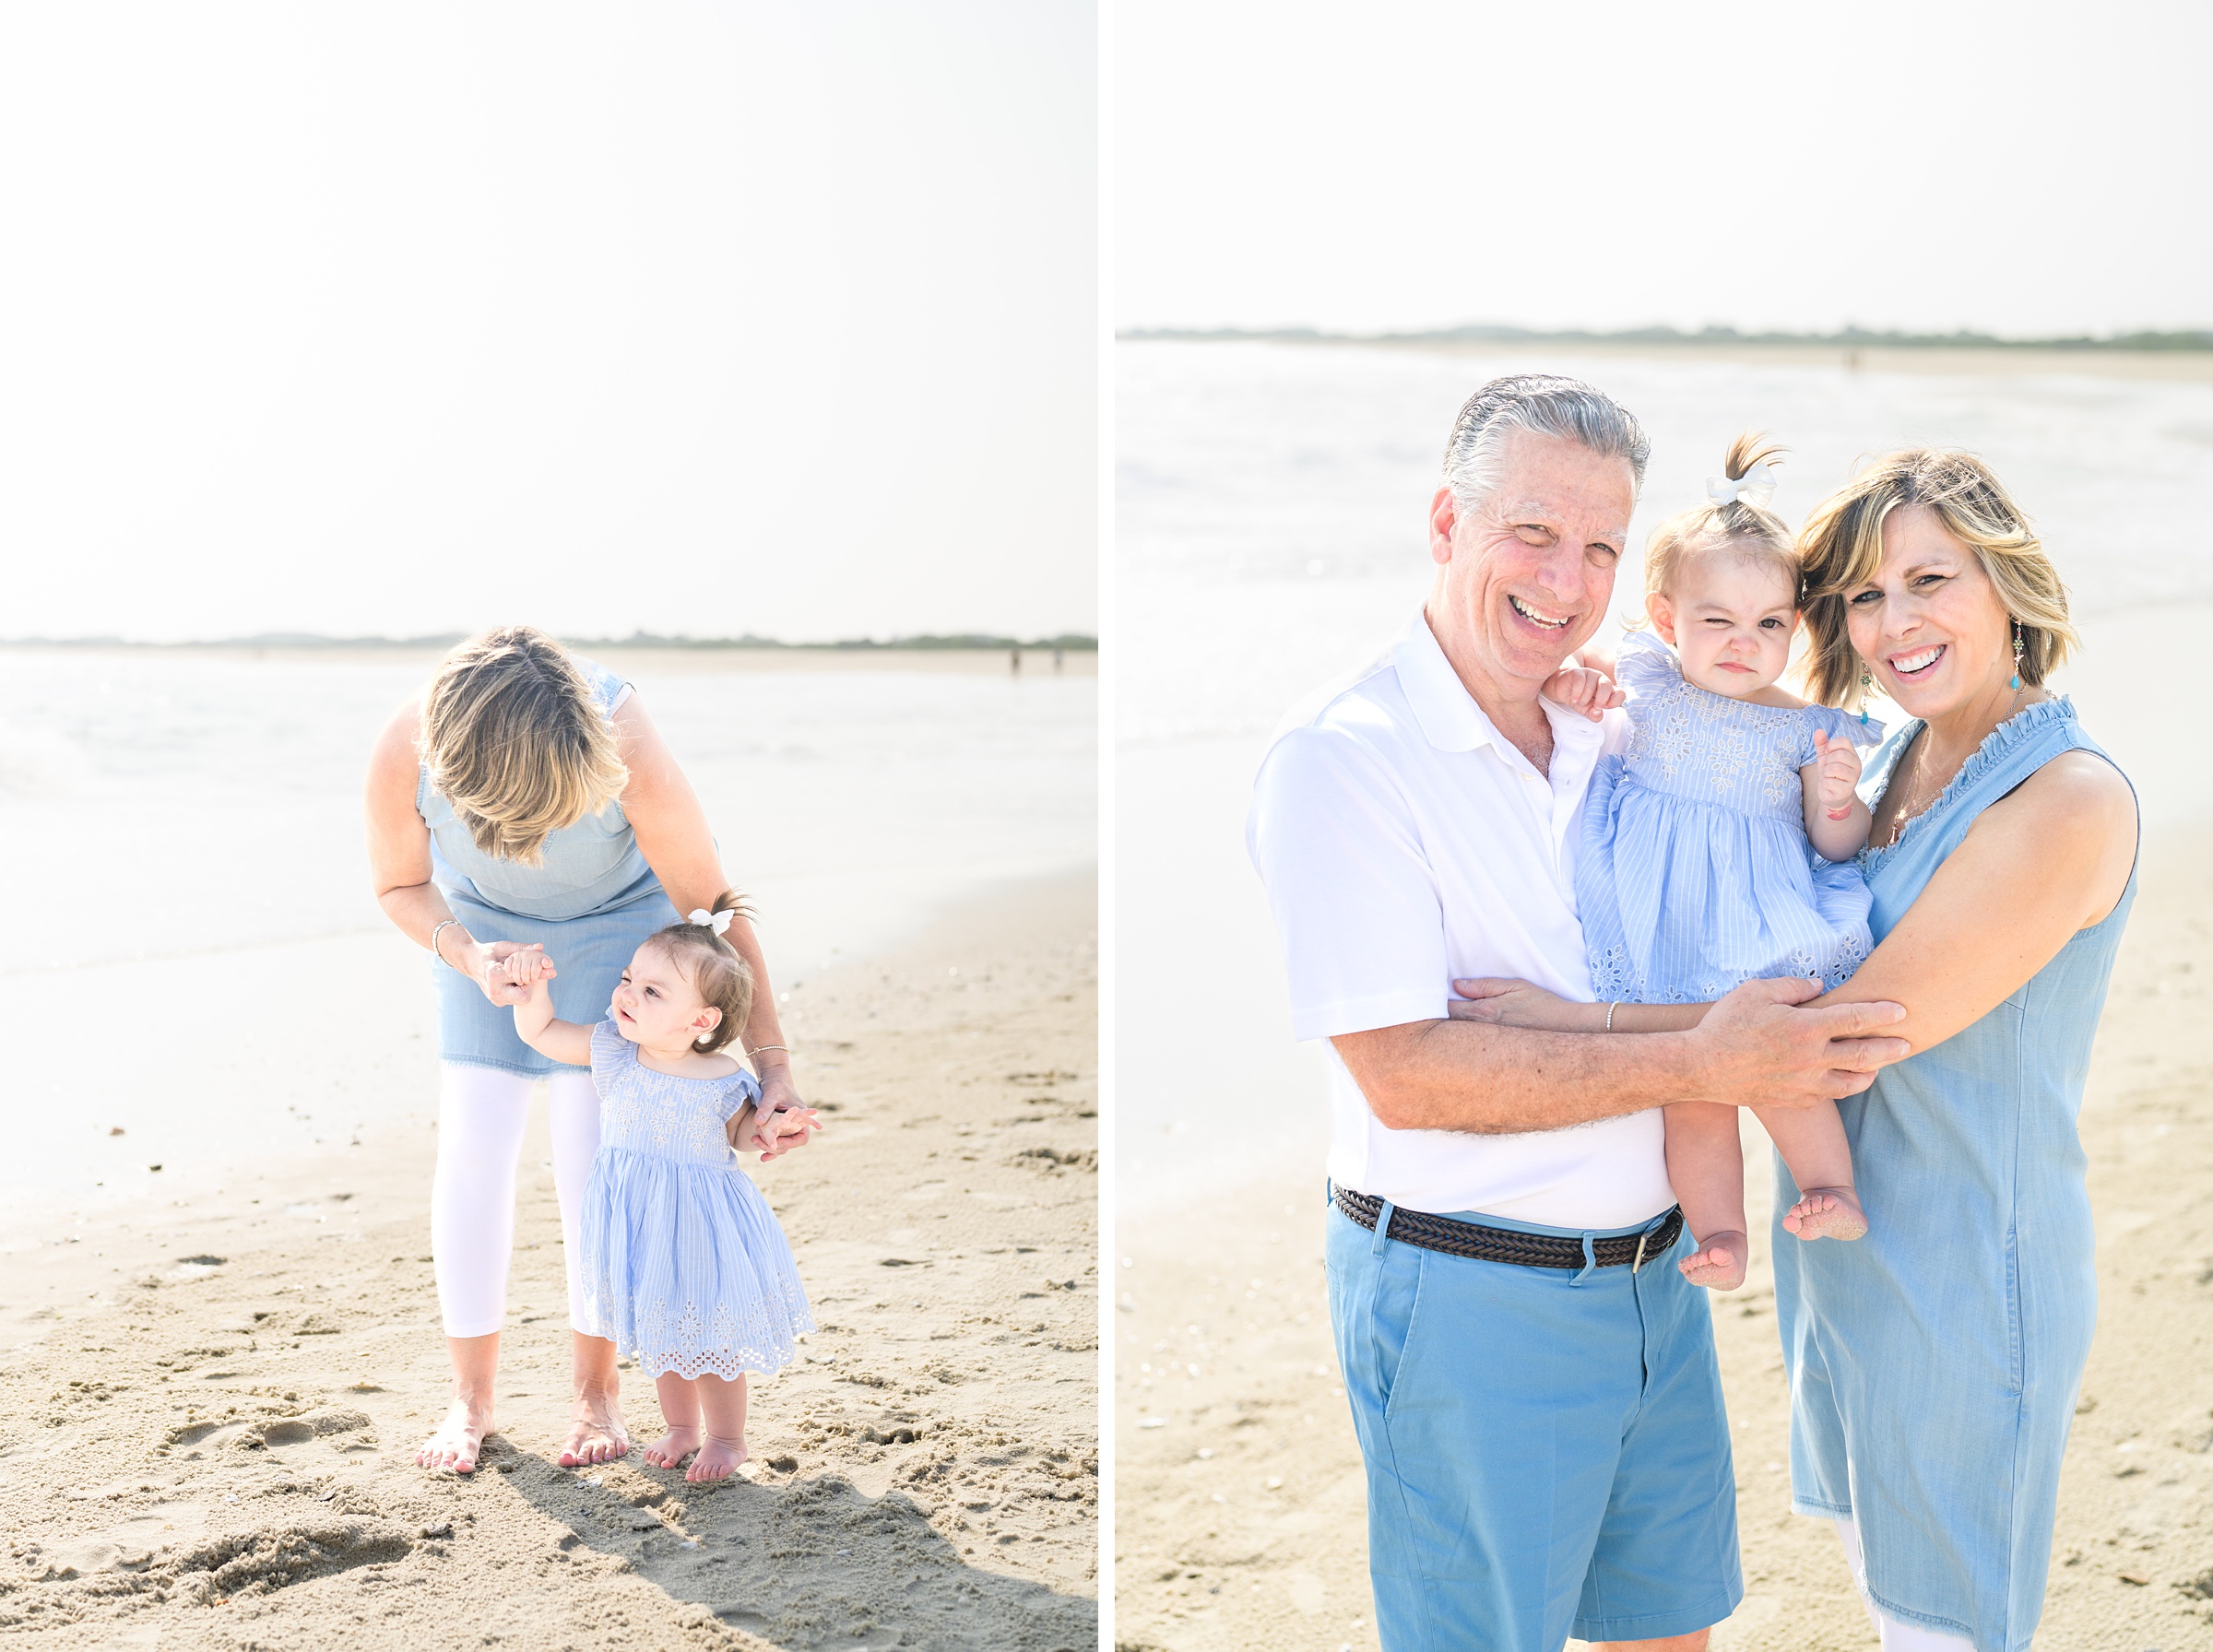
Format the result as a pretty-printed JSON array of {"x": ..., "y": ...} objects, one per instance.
[{"x": 1610, "y": 1009}]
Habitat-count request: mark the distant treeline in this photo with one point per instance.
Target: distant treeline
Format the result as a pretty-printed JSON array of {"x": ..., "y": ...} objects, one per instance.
[
  {"x": 1849, "y": 338},
  {"x": 1069, "y": 641}
]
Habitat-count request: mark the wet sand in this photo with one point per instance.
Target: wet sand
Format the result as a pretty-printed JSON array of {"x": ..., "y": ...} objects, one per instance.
[
  {"x": 211, "y": 1390},
  {"x": 1241, "y": 1504}
]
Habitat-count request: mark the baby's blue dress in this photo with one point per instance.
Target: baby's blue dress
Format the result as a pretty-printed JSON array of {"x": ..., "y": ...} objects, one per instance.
[
  {"x": 683, "y": 1265},
  {"x": 1695, "y": 874}
]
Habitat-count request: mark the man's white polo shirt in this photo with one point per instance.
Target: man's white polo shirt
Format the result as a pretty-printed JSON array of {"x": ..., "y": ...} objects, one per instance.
[{"x": 1406, "y": 843}]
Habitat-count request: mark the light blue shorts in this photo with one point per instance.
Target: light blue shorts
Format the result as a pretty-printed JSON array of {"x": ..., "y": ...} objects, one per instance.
[{"x": 1547, "y": 1452}]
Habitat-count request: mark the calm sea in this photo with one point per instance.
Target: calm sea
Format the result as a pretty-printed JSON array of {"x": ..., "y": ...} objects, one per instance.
[
  {"x": 181, "y": 841},
  {"x": 1270, "y": 520}
]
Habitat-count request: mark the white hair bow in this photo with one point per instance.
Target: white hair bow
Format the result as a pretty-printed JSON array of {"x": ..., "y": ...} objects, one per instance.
[
  {"x": 1757, "y": 486},
  {"x": 718, "y": 921}
]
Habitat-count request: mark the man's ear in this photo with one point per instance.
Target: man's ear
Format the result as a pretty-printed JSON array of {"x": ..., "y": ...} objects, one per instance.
[
  {"x": 1444, "y": 516},
  {"x": 1661, "y": 613}
]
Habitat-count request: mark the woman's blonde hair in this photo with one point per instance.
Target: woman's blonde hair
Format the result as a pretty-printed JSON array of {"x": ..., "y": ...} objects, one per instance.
[
  {"x": 515, "y": 742},
  {"x": 1739, "y": 527},
  {"x": 715, "y": 969},
  {"x": 1841, "y": 547}
]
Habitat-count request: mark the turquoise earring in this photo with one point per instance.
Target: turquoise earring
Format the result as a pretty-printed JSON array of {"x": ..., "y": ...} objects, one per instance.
[
  {"x": 2016, "y": 684},
  {"x": 1866, "y": 686}
]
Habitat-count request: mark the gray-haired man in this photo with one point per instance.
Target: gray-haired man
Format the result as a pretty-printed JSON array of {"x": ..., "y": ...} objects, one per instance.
[{"x": 1531, "y": 1378}]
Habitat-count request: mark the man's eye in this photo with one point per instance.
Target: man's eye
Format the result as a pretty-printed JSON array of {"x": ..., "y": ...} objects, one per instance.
[{"x": 1534, "y": 532}]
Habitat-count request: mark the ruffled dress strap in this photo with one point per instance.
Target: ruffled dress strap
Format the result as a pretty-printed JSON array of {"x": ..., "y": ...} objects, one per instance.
[
  {"x": 612, "y": 1055},
  {"x": 1646, "y": 667},
  {"x": 743, "y": 1088},
  {"x": 1837, "y": 725}
]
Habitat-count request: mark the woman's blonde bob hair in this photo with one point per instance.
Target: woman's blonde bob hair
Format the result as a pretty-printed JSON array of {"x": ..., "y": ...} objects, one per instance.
[
  {"x": 513, "y": 739},
  {"x": 1841, "y": 547}
]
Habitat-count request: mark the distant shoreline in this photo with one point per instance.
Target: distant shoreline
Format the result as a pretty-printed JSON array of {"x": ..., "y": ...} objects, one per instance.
[
  {"x": 2198, "y": 340},
  {"x": 308, "y": 642}
]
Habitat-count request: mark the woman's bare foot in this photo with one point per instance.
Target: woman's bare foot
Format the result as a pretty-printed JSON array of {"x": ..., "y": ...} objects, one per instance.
[
  {"x": 1826, "y": 1213},
  {"x": 1719, "y": 1264},
  {"x": 595, "y": 1431},
  {"x": 458, "y": 1440},
  {"x": 673, "y": 1448},
  {"x": 717, "y": 1459}
]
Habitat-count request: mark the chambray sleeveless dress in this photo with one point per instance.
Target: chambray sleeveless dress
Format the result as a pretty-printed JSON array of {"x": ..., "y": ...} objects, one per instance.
[
  {"x": 589, "y": 902},
  {"x": 1695, "y": 874},
  {"x": 1934, "y": 1363},
  {"x": 683, "y": 1265}
]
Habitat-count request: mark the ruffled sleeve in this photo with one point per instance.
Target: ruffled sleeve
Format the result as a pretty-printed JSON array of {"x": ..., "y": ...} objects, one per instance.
[
  {"x": 1837, "y": 725},
  {"x": 610, "y": 1054},
  {"x": 744, "y": 1088},
  {"x": 1647, "y": 669}
]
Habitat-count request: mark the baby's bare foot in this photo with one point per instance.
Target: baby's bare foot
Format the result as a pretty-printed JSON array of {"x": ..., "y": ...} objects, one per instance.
[
  {"x": 596, "y": 1432},
  {"x": 673, "y": 1447},
  {"x": 1719, "y": 1263},
  {"x": 1826, "y": 1213},
  {"x": 458, "y": 1440},
  {"x": 717, "y": 1459}
]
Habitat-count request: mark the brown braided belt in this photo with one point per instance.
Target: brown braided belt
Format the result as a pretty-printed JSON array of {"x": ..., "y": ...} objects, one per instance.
[{"x": 1457, "y": 1238}]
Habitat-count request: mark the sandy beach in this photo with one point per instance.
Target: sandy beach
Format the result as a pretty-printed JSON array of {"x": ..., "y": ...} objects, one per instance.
[
  {"x": 211, "y": 1386},
  {"x": 1241, "y": 1503}
]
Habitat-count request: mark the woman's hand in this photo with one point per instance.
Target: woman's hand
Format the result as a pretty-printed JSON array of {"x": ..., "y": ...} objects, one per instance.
[
  {"x": 1520, "y": 1004},
  {"x": 488, "y": 968},
  {"x": 781, "y": 1121}
]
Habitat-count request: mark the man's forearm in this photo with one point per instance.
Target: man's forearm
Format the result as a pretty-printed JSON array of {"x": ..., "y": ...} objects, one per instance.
[{"x": 1488, "y": 1080}]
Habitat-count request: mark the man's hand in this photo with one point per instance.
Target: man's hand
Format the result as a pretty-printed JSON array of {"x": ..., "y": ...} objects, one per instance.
[
  {"x": 1580, "y": 689},
  {"x": 1761, "y": 1051}
]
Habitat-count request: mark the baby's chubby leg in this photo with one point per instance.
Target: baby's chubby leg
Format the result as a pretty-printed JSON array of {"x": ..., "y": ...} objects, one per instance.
[
  {"x": 1706, "y": 1167},
  {"x": 680, "y": 1410},
  {"x": 1810, "y": 1140},
  {"x": 723, "y": 1405}
]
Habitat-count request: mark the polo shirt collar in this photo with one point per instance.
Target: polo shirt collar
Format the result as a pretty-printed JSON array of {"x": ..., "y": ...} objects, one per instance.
[{"x": 1448, "y": 715}]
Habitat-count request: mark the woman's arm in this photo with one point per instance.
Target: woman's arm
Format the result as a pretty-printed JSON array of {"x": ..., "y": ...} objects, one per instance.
[
  {"x": 2049, "y": 860},
  {"x": 673, "y": 834},
  {"x": 399, "y": 860}
]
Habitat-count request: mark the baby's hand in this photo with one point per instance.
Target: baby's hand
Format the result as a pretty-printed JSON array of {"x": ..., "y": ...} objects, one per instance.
[
  {"x": 527, "y": 967},
  {"x": 1838, "y": 776},
  {"x": 1580, "y": 689},
  {"x": 774, "y": 1131}
]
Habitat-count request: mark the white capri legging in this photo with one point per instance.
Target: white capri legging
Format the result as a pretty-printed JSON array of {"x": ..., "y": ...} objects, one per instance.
[
  {"x": 481, "y": 1112},
  {"x": 1894, "y": 1634}
]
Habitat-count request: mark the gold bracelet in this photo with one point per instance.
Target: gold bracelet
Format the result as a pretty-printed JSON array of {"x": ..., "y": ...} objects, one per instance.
[
  {"x": 1610, "y": 1009},
  {"x": 763, "y": 1048}
]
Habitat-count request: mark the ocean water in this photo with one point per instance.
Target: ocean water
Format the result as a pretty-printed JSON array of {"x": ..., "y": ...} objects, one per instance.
[
  {"x": 1270, "y": 504},
  {"x": 181, "y": 840}
]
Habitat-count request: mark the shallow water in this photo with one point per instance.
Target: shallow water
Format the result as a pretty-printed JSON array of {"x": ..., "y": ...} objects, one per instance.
[{"x": 192, "y": 950}]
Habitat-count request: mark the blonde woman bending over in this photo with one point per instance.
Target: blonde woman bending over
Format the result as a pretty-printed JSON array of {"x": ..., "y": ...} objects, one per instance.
[{"x": 526, "y": 802}]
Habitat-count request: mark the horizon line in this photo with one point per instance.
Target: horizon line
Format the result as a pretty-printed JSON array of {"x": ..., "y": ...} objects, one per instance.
[
  {"x": 974, "y": 642},
  {"x": 1851, "y": 338}
]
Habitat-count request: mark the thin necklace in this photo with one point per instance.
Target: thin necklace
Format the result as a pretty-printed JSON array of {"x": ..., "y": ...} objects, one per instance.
[{"x": 1915, "y": 804}]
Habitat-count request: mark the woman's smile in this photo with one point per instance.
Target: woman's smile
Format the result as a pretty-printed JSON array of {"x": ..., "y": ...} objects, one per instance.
[{"x": 1916, "y": 665}]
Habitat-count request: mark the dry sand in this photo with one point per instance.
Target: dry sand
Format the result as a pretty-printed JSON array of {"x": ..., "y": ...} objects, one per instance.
[
  {"x": 1240, "y": 1498},
  {"x": 208, "y": 1404}
]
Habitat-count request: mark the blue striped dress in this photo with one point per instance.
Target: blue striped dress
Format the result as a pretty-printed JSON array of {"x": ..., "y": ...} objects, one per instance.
[
  {"x": 1695, "y": 874},
  {"x": 683, "y": 1267}
]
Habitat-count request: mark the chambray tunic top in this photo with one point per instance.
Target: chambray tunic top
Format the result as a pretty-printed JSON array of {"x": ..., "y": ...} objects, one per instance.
[
  {"x": 682, "y": 1264},
  {"x": 1695, "y": 874},
  {"x": 1934, "y": 1363},
  {"x": 589, "y": 902}
]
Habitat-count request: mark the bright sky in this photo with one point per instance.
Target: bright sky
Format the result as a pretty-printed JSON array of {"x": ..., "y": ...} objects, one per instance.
[
  {"x": 420, "y": 315},
  {"x": 1920, "y": 164}
]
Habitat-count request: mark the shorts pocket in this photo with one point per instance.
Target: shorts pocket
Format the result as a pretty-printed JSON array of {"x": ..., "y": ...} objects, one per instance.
[{"x": 1392, "y": 1317}]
